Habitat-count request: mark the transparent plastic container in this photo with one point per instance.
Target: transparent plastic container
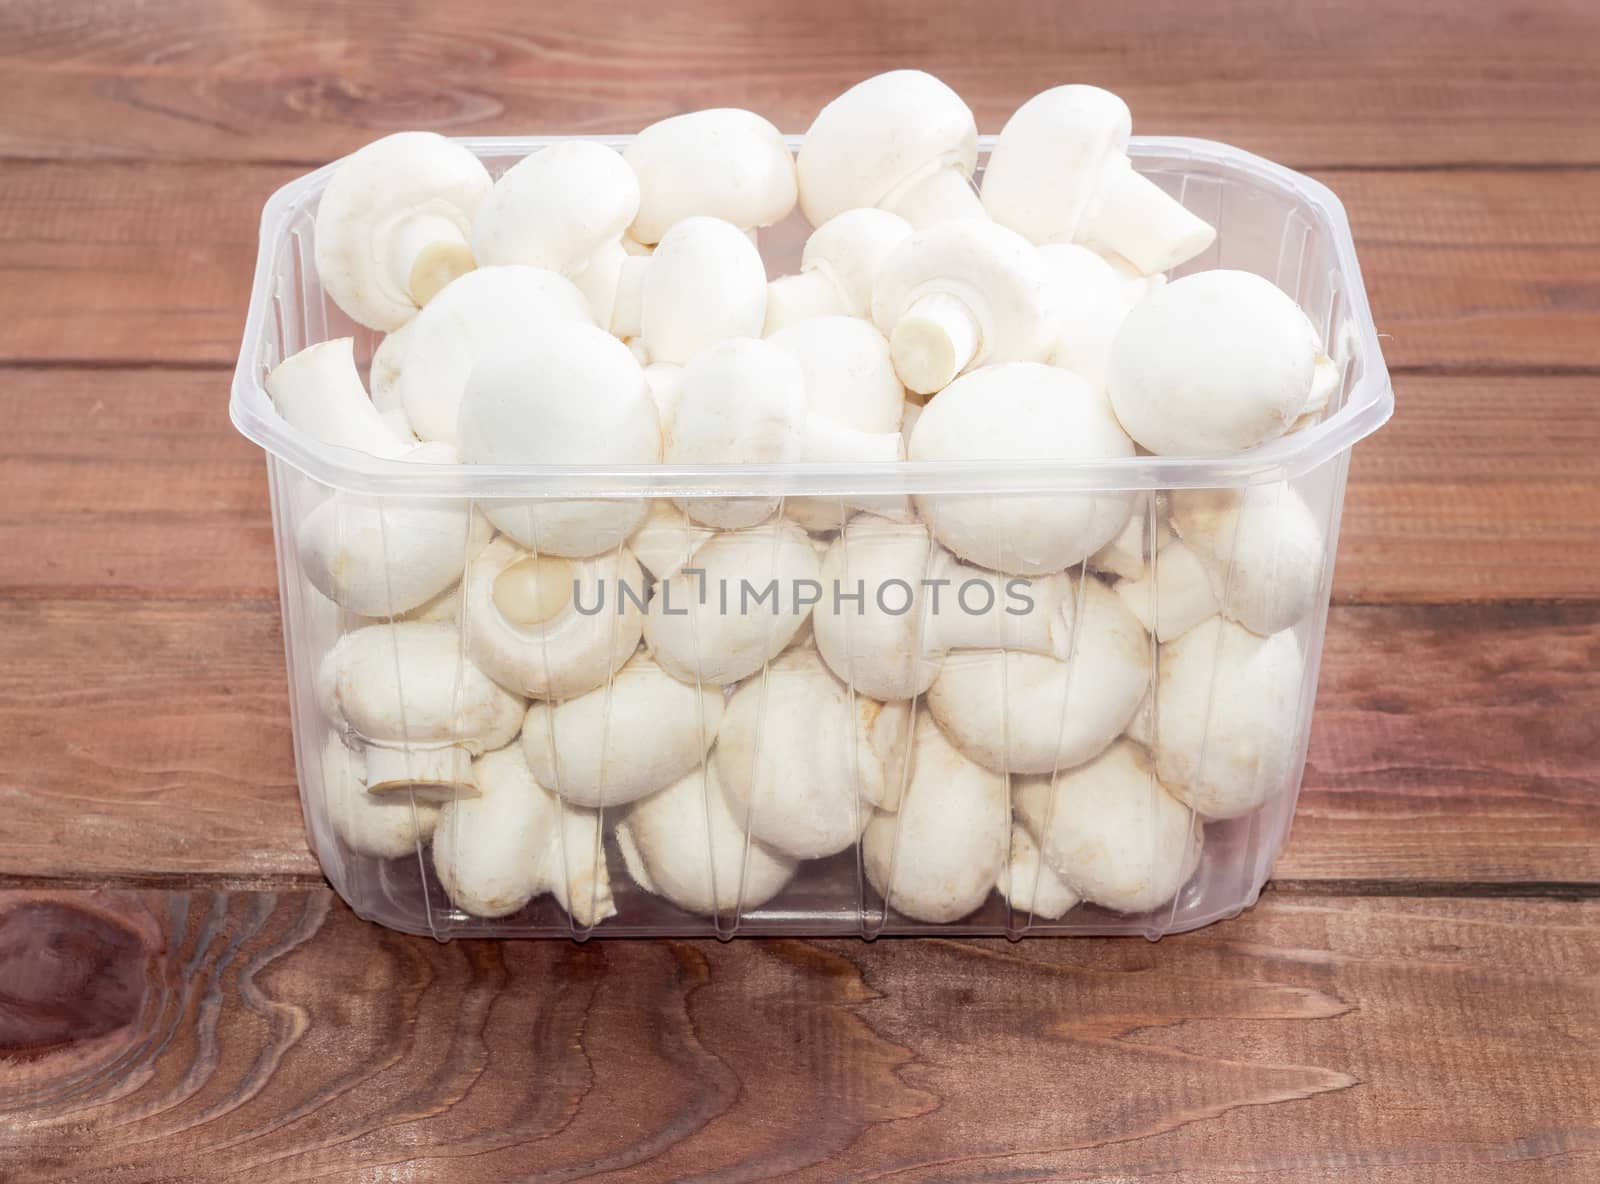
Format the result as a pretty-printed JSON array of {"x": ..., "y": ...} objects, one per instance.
[{"x": 1271, "y": 221}]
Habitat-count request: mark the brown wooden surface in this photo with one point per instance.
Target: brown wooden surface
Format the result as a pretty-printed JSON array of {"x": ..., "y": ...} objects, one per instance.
[{"x": 1417, "y": 998}]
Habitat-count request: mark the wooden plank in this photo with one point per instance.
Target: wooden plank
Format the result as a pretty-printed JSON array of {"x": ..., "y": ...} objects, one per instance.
[
  {"x": 132, "y": 483},
  {"x": 192, "y": 1036},
  {"x": 144, "y": 739},
  {"x": 1437, "y": 81},
  {"x": 152, "y": 263}
]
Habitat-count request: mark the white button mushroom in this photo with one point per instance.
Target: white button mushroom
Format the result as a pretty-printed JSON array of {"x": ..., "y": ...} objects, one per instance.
[
  {"x": 837, "y": 267},
  {"x": 1060, "y": 173},
  {"x": 563, "y": 208},
  {"x": 902, "y": 141},
  {"x": 638, "y": 733},
  {"x": 795, "y": 757},
  {"x": 666, "y": 539},
  {"x": 1112, "y": 831},
  {"x": 483, "y": 310},
  {"x": 1021, "y": 411},
  {"x": 1034, "y": 713},
  {"x": 1092, "y": 296},
  {"x": 388, "y": 362},
  {"x": 1128, "y": 555},
  {"x": 384, "y": 827},
  {"x": 1173, "y": 596},
  {"x": 739, "y": 602},
  {"x": 893, "y": 605},
  {"x": 1261, "y": 547},
  {"x": 319, "y": 392},
  {"x": 726, "y": 163},
  {"x": 561, "y": 394},
  {"x": 1028, "y": 883},
  {"x": 961, "y": 295},
  {"x": 1218, "y": 361},
  {"x": 686, "y": 845},
  {"x": 416, "y": 704},
  {"x": 392, "y": 225},
  {"x": 1224, "y": 730},
  {"x": 704, "y": 283},
  {"x": 549, "y": 627},
  {"x": 937, "y": 858},
  {"x": 496, "y": 852}
]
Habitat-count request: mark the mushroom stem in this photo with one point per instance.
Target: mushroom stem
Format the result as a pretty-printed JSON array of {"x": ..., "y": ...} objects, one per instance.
[
  {"x": 627, "y": 302},
  {"x": 434, "y": 774},
  {"x": 534, "y": 590},
  {"x": 794, "y": 298},
  {"x": 983, "y": 610},
  {"x": 426, "y": 252},
  {"x": 827, "y": 441},
  {"x": 319, "y": 392},
  {"x": 939, "y": 196},
  {"x": 1134, "y": 217},
  {"x": 934, "y": 341}
]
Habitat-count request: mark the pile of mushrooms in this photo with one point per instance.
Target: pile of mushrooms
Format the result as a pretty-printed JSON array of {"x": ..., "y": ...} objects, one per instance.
[{"x": 1025, "y": 702}]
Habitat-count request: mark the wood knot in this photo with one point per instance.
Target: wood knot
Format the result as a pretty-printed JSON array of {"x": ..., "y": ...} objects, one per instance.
[{"x": 67, "y": 975}]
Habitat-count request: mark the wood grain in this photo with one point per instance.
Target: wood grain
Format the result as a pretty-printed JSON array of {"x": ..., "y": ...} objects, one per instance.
[
  {"x": 150, "y": 739},
  {"x": 1309, "y": 1041},
  {"x": 1361, "y": 82},
  {"x": 151, "y": 263}
]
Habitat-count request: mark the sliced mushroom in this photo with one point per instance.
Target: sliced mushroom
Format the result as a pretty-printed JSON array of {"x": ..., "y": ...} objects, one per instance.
[
  {"x": 1261, "y": 548},
  {"x": 1035, "y": 713},
  {"x": 725, "y": 162},
  {"x": 795, "y": 757},
  {"x": 1112, "y": 833},
  {"x": 739, "y": 602},
  {"x": 686, "y": 845},
  {"x": 548, "y": 627},
  {"x": 893, "y": 605},
  {"x": 1225, "y": 730},
  {"x": 1018, "y": 412},
  {"x": 1218, "y": 361},
  {"x": 416, "y": 705},
  {"x": 960, "y": 295},
  {"x": 384, "y": 827},
  {"x": 392, "y": 225},
  {"x": 937, "y": 858},
  {"x": 837, "y": 267},
  {"x": 496, "y": 852},
  {"x": 561, "y": 394},
  {"x": 1060, "y": 173},
  {"x": 902, "y": 141},
  {"x": 640, "y": 732}
]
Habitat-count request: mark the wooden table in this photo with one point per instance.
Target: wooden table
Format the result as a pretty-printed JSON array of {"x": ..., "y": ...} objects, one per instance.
[{"x": 1416, "y": 997}]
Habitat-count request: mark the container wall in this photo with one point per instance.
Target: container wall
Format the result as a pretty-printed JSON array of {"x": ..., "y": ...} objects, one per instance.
[{"x": 825, "y": 714}]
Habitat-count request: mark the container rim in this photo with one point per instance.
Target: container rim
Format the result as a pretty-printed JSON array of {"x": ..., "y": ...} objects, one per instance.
[{"x": 1369, "y": 404}]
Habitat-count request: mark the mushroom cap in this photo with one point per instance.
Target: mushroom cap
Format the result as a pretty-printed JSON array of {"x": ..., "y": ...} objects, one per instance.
[
  {"x": 1043, "y": 171},
  {"x": 410, "y": 683},
  {"x": 795, "y": 757},
  {"x": 685, "y": 844},
  {"x": 846, "y": 371},
  {"x": 996, "y": 274},
  {"x": 561, "y": 394},
  {"x": 1226, "y": 729},
  {"x": 1113, "y": 833},
  {"x": 1038, "y": 891},
  {"x": 705, "y": 624},
  {"x": 741, "y": 401},
  {"x": 483, "y": 311},
  {"x": 877, "y": 137},
  {"x": 384, "y": 556},
  {"x": 318, "y": 391},
  {"x": 1021, "y": 411},
  {"x": 1218, "y": 361},
  {"x": 556, "y": 207},
  {"x": 1031, "y": 713},
  {"x": 937, "y": 858},
  {"x": 850, "y": 247},
  {"x": 1174, "y": 597},
  {"x": 371, "y": 195},
  {"x": 725, "y": 162},
  {"x": 1261, "y": 547},
  {"x": 593, "y": 631},
  {"x": 382, "y": 827},
  {"x": 666, "y": 539},
  {"x": 383, "y": 376},
  {"x": 705, "y": 282},
  {"x": 1091, "y": 299},
  {"x": 638, "y": 733}
]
